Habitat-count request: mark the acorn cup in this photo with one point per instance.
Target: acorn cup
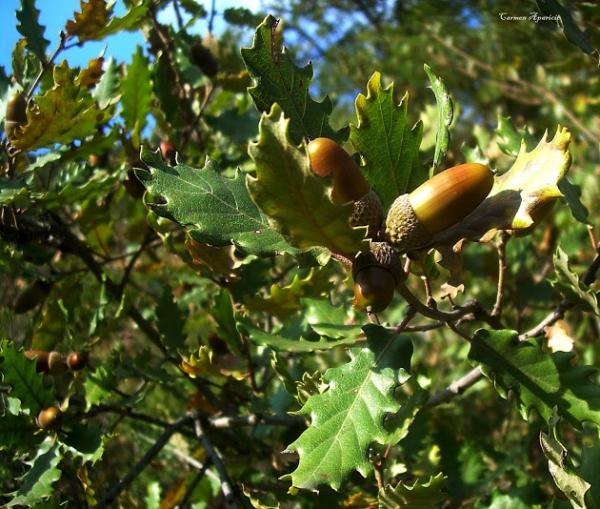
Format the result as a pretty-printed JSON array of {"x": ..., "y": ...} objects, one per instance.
[
  {"x": 376, "y": 274},
  {"x": 328, "y": 159},
  {"x": 16, "y": 113},
  {"x": 442, "y": 201}
]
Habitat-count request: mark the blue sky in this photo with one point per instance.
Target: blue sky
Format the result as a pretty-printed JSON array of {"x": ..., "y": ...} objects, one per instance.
[{"x": 55, "y": 13}]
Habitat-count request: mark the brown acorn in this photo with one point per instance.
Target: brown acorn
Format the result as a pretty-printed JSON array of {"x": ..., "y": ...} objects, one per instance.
[
  {"x": 376, "y": 274},
  {"x": 445, "y": 199},
  {"x": 202, "y": 57},
  {"x": 47, "y": 362},
  {"x": 328, "y": 159},
  {"x": 168, "y": 151},
  {"x": 32, "y": 296},
  {"x": 76, "y": 361},
  {"x": 49, "y": 418},
  {"x": 16, "y": 113}
]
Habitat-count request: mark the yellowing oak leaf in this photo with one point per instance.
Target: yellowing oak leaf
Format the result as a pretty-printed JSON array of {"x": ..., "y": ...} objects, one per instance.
[
  {"x": 92, "y": 18},
  {"x": 60, "y": 115},
  {"x": 521, "y": 196},
  {"x": 90, "y": 76},
  {"x": 293, "y": 197}
]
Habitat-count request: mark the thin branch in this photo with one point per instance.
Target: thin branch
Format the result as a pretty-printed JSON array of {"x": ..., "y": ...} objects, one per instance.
[
  {"x": 408, "y": 316},
  {"x": 226, "y": 484},
  {"x": 497, "y": 310},
  {"x": 211, "y": 19},
  {"x": 559, "y": 312},
  {"x": 178, "y": 15},
  {"x": 253, "y": 420},
  {"x": 455, "y": 388},
  {"x": 190, "y": 489},
  {"x": 46, "y": 64},
  {"x": 137, "y": 469}
]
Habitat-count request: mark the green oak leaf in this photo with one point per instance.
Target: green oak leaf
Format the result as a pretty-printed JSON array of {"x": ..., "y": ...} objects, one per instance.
[
  {"x": 26, "y": 384},
  {"x": 36, "y": 484},
  {"x": 286, "y": 344},
  {"x": 224, "y": 314},
  {"x": 519, "y": 195},
  {"x": 419, "y": 495},
  {"x": 566, "y": 479},
  {"x": 215, "y": 209},
  {"x": 294, "y": 198},
  {"x": 590, "y": 459},
  {"x": 279, "y": 80},
  {"x": 84, "y": 441},
  {"x": 60, "y": 115},
  {"x": 30, "y": 28},
  {"x": 351, "y": 413},
  {"x": 107, "y": 91},
  {"x": 16, "y": 431},
  {"x": 542, "y": 381},
  {"x": 136, "y": 92},
  {"x": 388, "y": 145},
  {"x": 445, "y": 114},
  {"x": 567, "y": 282},
  {"x": 171, "y": 321}
]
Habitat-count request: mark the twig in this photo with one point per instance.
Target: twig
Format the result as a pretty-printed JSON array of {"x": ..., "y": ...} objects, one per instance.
[
  {"x": 178, "y": 15},
  {"x": 253, "y": 420},
  {"x": 408, "y": 316},
  {"x": 455, "y": 388},
  {"x": 190, "y": 489},
  {"x": 592, "y": 235},
  {"x": 211, "y": 18},
  {"x": 429, "y": 300},
  {"x": 46, "y": 64},
  {"x": 124, "y": 280},
  {"x": 137, "y": 469},
  {"x": 565, "y": 304},
  {"x": 226, "y": 485},
  {"x": 497, "y": 310}
]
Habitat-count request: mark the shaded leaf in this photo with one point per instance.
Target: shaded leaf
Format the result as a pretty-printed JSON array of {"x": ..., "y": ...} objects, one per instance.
[
  {"x": 419, "y": 495},
  {"x": 215, "y": 209},
  {"x": 279, "y": 80},
  {"x": 542, "y": 381},
  {"x": 19, "y": 373},
  {"x": 84, "y": 441},
  {"x": 136, "y": 90},
  {"x": 285, "y": 344},
  {"x": 36, "y": 484},
  {"x": 572, "y": 195},
  {"x": 567, "y": 282},
  {"x": 16, "y": 431},
  {"x": 445, "y": 113},
  {"x": 387, "y": 143},
  {"x": 171, "y": 321},
  {"x": 293, "y": 197},
  {"x": 224, "y": 315},
  {"x": 572, "y": 32},
  {"x": 350, "y": 414},
  {"x": 30, "y": 28}
]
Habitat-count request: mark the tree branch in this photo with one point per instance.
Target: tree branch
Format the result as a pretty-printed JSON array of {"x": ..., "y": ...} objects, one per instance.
[
  {"x": 501, "y": 273},
  {"x": 455, "y": 388}
]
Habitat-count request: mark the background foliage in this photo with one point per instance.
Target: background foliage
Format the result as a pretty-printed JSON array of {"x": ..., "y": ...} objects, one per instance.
[{"x": 210, "y": 288}]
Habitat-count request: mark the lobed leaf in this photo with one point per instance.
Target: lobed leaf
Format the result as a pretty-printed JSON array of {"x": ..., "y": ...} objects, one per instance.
[
  {"x": 136, "y": 92},
  {"x": 29, "y": 27},
  {"x": 350, "y": 415},
  {"x": 542, "y": 381},
  {"x": 445, "y": 114},
  {"x": 419, "y": 495},
  {"x": 285, "y": 344},
  {"x": 388, "y": 145},
  {"x": 216, "y": 210},
  {"x": 279, "y": 80},
  {"x": 19, "y": 373},
  {"x": 292, "y": 196},
  {"x": 567, "y": 282}
]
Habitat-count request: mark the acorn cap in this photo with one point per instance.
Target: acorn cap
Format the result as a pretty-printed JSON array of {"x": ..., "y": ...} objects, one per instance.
[
  {"x": 368, "y": 211},
  {"x": 444, "y": 200},
  {"x": 403, "y": 228},
  {"x": 382, "y": 255}
]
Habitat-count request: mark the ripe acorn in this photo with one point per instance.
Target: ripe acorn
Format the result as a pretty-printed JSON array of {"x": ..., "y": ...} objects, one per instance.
[
  {"x": 49, "y": 418},
  {"x": 47, "y": 362},
  {"x": 376, "y": 274},
  {"x": 204, "y": 59},
  {"x": 31, "y": 296},
  {"x": 167, "y": 150},
  {"x": 76, "y": 361},
  {"x": 445, "y": 199},
  {"x": 16, "y": 113},
  {"x": 328, "y": 159}
]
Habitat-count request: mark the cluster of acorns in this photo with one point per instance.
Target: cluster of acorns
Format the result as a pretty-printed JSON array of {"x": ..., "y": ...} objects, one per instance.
[
  {"x": 411, "y": 222},
  {"x": 54, "y": 363}
]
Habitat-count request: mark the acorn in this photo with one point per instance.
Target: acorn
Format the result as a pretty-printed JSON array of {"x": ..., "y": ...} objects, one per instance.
[
  {"x": 16, "y": 113},
  {"x": 47, "y": 362},
  {"x": 328, "y": 159},
  {"x": 32, "y": 296},
  {"x": 76, "y": 361},
  {"x": 168, "y": 151},
  {"x": 204, "y": 59},
  {"x": 442, "y": 201},
  {"x": 376, "y": 274},
  {"x": 49, "y": 418}
]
